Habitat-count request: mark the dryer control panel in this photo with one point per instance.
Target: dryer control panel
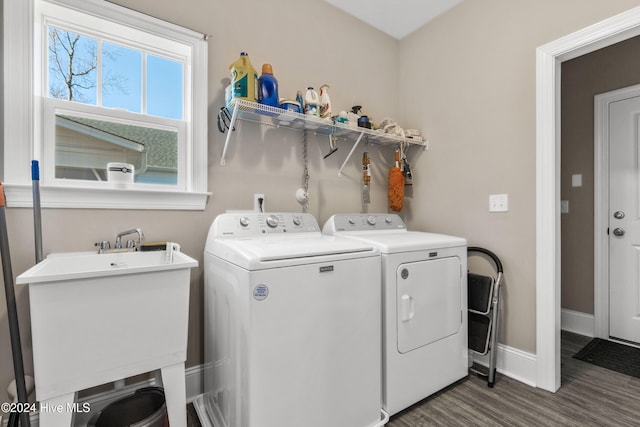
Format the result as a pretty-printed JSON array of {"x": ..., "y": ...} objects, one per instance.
[
  {"x": 364, "y": 222},
  {"x": 247, "y": 224}
]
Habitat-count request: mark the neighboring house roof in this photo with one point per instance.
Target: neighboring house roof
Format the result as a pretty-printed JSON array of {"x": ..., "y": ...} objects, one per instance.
[{"x": 161, "y": 145}]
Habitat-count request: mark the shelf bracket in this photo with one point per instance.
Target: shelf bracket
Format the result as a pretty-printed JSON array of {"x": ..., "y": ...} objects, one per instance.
[
  {"x": 232, "y": 124},
  {"x": 350, "y": 153}
]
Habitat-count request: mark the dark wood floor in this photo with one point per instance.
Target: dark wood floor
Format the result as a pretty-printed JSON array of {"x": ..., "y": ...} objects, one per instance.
[{"x": 589, "y": 396}]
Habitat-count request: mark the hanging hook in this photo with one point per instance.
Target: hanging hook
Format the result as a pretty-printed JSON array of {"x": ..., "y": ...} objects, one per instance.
[
  {"x": 333, "y": 145},
  {"x": 406, "y": 168},
  {"x": 224, "y": 120}
]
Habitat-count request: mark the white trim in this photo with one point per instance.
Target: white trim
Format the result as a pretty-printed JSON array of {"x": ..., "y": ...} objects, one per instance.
[
  {"x": 21, "y": 196},
  {"x": 600, "y": 200},
  {"x": 18, "y": 90},
  {"x": 517, "y": 364},
  {"x": 547, "y": 225},
  {"x": 194, "y": 377},
  {"x": 130, "y": 17},
  {"x": 578, "y": 322},
  {"x": 601, "y": 203},
  {"x": 548, "y": 60}
]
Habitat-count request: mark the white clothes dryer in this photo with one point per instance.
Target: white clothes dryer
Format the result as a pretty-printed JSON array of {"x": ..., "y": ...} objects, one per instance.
[
  {"x": 292, "y": 325},
  {"x": 424, "y": 281}
]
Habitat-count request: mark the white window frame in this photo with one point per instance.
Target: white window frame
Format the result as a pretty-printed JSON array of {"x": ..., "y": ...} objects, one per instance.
[{"x": 25, "y": 132}]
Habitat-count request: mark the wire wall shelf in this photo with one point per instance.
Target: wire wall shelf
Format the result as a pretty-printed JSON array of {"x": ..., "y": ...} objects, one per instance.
[{"x": 266, "y": 115}]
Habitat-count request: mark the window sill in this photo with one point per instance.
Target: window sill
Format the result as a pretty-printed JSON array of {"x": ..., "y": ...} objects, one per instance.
[{"x": 21, "y": 196}]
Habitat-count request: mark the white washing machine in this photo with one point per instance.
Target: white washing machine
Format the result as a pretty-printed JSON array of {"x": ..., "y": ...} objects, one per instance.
[
  {"x": 292, "y": 325},
  {"x": 424, "y": 281}
]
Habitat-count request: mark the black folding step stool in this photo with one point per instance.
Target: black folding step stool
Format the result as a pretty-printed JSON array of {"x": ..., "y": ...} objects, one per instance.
[{"x": 483, "y": 299}]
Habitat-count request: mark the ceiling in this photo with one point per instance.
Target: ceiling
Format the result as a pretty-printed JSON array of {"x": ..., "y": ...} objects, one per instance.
[{"x": 397, "y": 18}]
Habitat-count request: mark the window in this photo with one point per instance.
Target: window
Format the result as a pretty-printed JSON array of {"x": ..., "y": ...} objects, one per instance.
[
  {"x": 85, "y": 140},
  {"x": 110, "y": 85}
]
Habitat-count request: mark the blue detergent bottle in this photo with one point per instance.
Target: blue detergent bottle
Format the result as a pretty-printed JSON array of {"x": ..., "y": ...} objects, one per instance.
[{"x": 268, "y": 87}]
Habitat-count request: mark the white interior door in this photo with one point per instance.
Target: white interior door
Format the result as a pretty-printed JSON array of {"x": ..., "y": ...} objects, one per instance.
[{"x": 624, "y": 219}]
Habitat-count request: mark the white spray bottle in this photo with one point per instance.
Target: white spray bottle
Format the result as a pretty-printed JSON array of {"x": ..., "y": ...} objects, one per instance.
[
  {"x": 325, "y": 102},
  {"x": 311, "y": 102}
]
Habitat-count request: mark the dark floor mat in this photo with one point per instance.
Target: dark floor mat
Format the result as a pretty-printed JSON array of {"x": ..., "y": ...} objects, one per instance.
[{"x": 612, "y": 355}]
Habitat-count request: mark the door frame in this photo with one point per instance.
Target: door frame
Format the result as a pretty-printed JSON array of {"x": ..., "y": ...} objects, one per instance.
[
  {"x": 601, "y": 207},
  {"x": 549, "y": 58}
]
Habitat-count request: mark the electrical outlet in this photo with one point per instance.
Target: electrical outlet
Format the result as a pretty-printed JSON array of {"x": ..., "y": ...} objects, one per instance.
[
  {"x": 499, "y": 203},
  {"x": 258, "y": 202}
]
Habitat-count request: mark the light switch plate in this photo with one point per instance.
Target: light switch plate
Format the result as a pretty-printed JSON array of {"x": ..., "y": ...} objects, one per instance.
[
  {"x": 564, "y": 206},
  {"x": 576, "y": 180},
  {"x": 499, "y": 203}
]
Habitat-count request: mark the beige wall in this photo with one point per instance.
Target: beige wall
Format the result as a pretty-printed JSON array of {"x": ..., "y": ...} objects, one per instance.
[
  {"x": 308, "y": 43},
  {"x": 601, "y": 71},
  {"x": 466, "y": 80}
]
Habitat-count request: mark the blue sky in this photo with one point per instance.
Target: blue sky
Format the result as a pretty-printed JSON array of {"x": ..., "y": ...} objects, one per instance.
[{"x": 164, "y": 79}]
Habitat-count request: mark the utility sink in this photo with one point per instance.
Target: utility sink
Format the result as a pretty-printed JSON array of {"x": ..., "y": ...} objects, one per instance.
[
  {"x": 81, "y": 265},
  {"x": 98, "y": 318}
]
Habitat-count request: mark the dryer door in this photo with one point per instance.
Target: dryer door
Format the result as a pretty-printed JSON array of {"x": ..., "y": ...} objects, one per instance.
[{"x": 429, "y": 304}]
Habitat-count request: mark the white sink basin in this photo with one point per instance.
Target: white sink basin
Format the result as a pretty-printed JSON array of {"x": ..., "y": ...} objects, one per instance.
[
  {"x": 78, "y": 265},
  {"x": 97, "y": 318}
]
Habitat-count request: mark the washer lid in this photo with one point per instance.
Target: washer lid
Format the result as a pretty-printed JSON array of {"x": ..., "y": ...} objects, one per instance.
[
  {"x": 267, "y": 251},
  {"x": 405, "y": 241}
]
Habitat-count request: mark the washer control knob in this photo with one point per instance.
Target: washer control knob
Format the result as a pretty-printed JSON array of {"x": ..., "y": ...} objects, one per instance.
[
  {"x": 371, "y": 220},
  {"x": 272, "y": 221},
  {"x": 387, "y": 220},
  {"x": 351, "y": 221},
  {"x": 244, "y": 221},
  {"x": 296, "y": 221}
]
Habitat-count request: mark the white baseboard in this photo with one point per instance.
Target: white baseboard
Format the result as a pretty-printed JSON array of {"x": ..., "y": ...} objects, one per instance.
[
  {"x": 514, "y": 363},
  {"x": 577, "y": 322},
  {"x": 521, "y": 365},
  {"x": 194, "y": 377}
]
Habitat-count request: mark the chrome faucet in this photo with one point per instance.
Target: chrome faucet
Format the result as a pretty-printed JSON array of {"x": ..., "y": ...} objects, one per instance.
[{"x": 130, "y": 243}]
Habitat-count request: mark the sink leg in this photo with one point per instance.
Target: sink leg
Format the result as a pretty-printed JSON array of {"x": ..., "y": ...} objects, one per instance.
[
  {"x": 57, "y": 411},
  {"x": 175, "y": 394}
]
